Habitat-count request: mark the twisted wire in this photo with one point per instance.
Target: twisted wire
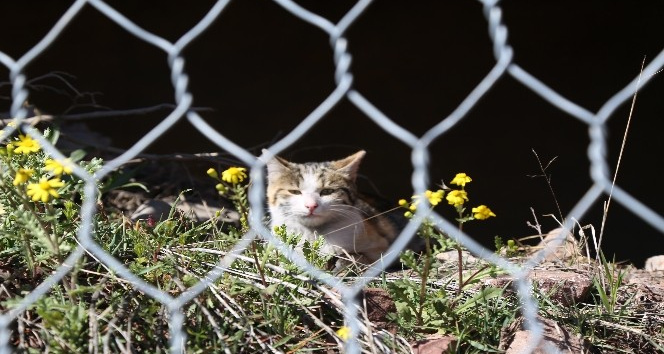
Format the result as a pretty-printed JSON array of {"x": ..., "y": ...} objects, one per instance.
[{"x": 343, "y": 78}]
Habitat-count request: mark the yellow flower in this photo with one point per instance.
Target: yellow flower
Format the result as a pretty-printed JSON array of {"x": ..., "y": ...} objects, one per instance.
[
  {"x": 344, "y": 333},
  {"x": 482, "y": 212},
  {"x": 57, "y": 167},
  {"x": 234, "y": 175},
  {"x": 461, "y": 179},
  {"x": 22, "y": 176},
  {"x": 26, "y": 145},
  {"x": 457, "y": 197},
  {"x": 45, "y": 189},
  {"x": 434, "y": 197}
]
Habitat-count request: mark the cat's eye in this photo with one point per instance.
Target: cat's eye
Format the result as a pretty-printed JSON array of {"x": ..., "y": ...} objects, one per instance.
[
  {"x": 326, "y": 191},
  {"x": 294, "y": 191}
]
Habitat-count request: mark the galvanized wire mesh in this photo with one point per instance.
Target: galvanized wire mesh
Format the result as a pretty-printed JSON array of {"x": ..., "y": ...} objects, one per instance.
[{"x": 504, "y": 65}]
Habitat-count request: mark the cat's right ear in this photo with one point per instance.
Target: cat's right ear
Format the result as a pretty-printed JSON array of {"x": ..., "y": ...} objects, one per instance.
[{"x": 276, "y": 165}]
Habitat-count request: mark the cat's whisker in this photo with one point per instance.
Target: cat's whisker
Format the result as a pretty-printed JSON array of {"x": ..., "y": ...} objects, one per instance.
[
  {"x": 345, "y": 213},
  {"x": 341, "y": 208},
  {"x": 362, "y": 221},
  {"x": 351, "y": 207}
]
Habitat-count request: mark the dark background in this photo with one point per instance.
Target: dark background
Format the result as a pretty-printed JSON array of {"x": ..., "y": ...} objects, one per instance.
[{"x": 260, "y": 71}]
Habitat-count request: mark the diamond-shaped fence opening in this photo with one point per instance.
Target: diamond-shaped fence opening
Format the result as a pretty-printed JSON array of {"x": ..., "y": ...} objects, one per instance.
[{"x": 343, "y": 296}]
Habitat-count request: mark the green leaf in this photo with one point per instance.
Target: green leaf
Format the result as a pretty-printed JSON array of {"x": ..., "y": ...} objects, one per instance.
[
  {"x": 479, "y": 298},
  {"x": 283, "y": 341},
  {"x": 77, "y": 155},
  {"x": 122, "y": 179}
]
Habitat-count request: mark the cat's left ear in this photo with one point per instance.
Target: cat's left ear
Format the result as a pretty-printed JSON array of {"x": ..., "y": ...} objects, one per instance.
[
  {"x": 350, "y": 164},
  {"x": 276, "y": 165}
]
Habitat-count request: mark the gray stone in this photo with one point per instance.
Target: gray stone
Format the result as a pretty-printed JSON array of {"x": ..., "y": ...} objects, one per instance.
[
  {"x": 453, "y": 255},
  {"x": 435, "y": 344},
  {"x": 565, "y": 286},
  {"x": 654, "y": 263},
  {"x": 566, "y": 249}
]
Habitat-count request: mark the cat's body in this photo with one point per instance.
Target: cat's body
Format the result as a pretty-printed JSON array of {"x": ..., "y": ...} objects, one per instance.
[{"x": 321, "y": 199}]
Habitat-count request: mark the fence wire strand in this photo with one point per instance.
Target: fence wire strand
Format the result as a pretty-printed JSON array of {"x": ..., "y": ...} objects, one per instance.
[{"x": 503, "y": 54}]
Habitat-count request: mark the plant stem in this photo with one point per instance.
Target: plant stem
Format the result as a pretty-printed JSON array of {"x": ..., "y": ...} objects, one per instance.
[
  {"x": 25, "y": 239},
  {"x": 425, "y": 276},
  {"x": 460, "y": 254},
  {"x": 30, "y": 253},
  {"x": 254, "y": 253}
]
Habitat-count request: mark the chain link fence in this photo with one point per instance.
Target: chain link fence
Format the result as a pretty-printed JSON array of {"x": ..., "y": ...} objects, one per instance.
[{"x": 504, "y": 65}]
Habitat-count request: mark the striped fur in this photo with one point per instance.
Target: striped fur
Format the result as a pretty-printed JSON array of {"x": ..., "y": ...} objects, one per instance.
[{"x": 321, "y": 199}]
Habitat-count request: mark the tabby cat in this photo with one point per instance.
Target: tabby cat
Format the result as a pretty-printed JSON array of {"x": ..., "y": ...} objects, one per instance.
[{"x": 321, "y": 199}]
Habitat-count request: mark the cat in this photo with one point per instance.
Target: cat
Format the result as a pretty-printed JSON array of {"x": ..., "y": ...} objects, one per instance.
[{"x": 316, "y": 199}]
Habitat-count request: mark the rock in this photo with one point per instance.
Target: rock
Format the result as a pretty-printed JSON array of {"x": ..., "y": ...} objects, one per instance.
[
  {"x": 514, "y": 339},
  {"x": 654, "y": 263},
  {"x": 567, "y": 250},
  {"x": 435, "y": 344},
  {"x": 646, "y": 287},
  {"x": 155, "y": 208},
  {"x": 564, "y": 286},
  {"x": 453, "y": 255}
]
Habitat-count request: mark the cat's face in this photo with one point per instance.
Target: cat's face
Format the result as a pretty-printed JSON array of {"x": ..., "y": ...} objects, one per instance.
[{"x": 312, "y": 194}]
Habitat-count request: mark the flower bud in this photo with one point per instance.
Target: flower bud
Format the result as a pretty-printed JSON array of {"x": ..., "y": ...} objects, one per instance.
[{"x": 212, "y": 173}]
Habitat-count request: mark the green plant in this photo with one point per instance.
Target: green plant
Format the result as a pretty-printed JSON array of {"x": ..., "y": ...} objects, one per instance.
[
  {"x": 423, "y": 307},
  {"x": 38, "y": 202},
  {"x": 262, "y": 302},
  {"x": 509, "y": 249},
  {"x": 607, "y": 284}
]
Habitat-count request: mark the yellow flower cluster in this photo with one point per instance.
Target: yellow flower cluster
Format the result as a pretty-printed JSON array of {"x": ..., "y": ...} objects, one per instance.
[
  {"x": 433, "y": 197},
  {"x": 459, "y": 197},
  {"x": 46, "y": 188},
  {"x": 455, "y": 197},
  {"x": 232, "y": 175}
]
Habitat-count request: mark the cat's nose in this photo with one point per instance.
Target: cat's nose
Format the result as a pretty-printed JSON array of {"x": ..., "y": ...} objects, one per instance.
[{"x": 312, "y": 205}]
